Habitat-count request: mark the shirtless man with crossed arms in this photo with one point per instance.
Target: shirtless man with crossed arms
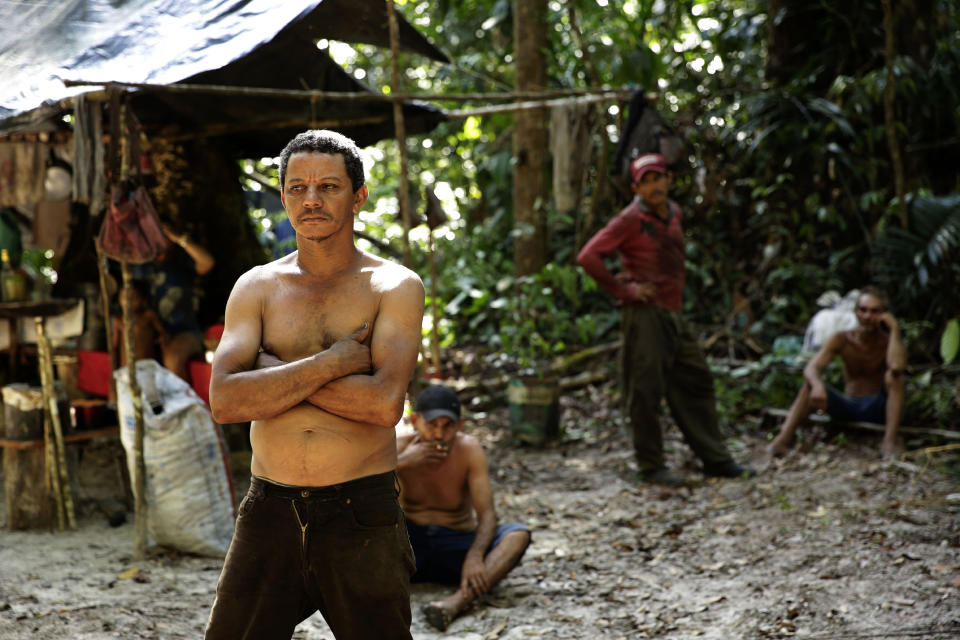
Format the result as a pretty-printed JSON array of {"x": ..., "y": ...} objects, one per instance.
[{"x": 317, "y": 351}]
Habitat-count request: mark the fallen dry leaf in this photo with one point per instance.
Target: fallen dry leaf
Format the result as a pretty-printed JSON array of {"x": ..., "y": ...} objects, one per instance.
[
  {"x": 129, "y": 573},
  {"x": 494, "y": 633}
]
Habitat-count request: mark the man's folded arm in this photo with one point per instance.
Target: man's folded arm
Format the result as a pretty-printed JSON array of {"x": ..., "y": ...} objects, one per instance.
[
  {"x": 238, "y": 392},
  {"x": 378, "y": 398}
]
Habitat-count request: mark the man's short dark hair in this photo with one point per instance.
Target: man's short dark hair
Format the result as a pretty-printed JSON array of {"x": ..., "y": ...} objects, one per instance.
[
  {"x": 877, "y": 293},
  {"x": 325, "y": 141}
]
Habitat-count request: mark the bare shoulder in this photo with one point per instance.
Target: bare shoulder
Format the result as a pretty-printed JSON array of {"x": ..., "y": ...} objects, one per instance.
[
  {"x": 263, "y": 275},
  {"x": 470, "y": 446},
  {"x": 285, "y": 265},
  {"x": 468, "y": 440},
  {"x": 252, "y": 278},
  {"x": 387, "y": 276},
  {"x": 839, "y": 339}
]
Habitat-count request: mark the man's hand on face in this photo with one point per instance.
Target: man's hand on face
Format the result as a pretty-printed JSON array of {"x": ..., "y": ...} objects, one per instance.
[
  {"x": 428, "y": 452},
  {"x": 887, "y": 320}
]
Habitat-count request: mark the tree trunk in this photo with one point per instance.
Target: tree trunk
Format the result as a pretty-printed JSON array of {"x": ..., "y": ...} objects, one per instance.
[
  {"x": 890, "y": 114},
  {"x": 530, "y": 194}
]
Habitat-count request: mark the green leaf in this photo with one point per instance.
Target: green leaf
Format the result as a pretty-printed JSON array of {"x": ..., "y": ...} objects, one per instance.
[{"x": 950, "y": 341}]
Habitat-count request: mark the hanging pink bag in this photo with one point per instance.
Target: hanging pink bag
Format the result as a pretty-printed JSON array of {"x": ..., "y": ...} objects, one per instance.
[{"x": 131, "y": 229}]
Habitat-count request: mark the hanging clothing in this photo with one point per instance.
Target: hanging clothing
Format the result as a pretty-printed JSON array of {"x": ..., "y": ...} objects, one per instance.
[
  {"x": 89, "y": 172},
  {"x": 22, "y": 170},
  {"x": 570, "y": 125}
]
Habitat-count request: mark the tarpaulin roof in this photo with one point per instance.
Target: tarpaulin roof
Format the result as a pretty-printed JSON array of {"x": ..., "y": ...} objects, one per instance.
[{"x": 243, "y": 43}]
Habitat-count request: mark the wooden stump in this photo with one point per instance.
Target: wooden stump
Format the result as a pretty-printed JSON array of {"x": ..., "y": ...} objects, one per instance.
[
  {"x": 30, "y": 503},
  {"x": 30, "y": 500},
  {"x": 23, "y": 411}
]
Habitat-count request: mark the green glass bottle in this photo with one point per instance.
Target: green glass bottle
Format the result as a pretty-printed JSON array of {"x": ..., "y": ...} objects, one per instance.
[{"x": 11, "y": 282}]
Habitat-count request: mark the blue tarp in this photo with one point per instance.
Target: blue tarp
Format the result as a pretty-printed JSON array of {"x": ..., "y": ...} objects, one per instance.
[{"x": 260, "y": 43}]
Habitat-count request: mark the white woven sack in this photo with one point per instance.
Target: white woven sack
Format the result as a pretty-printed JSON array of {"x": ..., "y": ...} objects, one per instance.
[
  {"x": 839, "y": 316},
  {"x": 190, "y": 503}
]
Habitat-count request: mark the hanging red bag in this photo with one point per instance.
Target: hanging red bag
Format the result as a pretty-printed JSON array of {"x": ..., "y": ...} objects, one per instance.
[{"x": 131, "y": 229}]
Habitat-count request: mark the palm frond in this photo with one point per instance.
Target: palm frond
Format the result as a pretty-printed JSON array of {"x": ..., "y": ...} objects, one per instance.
[{"x": 922, "y": 262}]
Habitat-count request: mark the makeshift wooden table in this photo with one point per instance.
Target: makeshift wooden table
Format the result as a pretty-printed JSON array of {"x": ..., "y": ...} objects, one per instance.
[{"x": 19, "y": 461}]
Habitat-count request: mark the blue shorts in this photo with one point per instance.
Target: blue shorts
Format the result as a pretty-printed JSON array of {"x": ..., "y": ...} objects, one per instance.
[
  {"x": 857, "y": 408},
  {"x": 440, "y": 551}
]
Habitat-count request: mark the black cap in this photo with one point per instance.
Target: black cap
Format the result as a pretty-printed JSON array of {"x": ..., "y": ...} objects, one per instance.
[{"x": 438, "y": 400}]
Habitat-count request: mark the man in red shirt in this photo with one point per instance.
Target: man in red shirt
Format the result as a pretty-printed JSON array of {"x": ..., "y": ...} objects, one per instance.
[{"x": 661, "y": 357}]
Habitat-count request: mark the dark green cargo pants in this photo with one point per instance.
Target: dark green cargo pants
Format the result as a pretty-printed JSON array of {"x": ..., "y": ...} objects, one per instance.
[{"x": 661, "y": 359}]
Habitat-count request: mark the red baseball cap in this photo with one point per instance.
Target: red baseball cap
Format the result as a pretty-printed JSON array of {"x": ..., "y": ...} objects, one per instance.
[{"x": 647, "y": 162}]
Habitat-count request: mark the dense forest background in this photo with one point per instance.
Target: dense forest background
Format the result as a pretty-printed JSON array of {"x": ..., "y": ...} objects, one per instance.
[{"x": 821, "y": 152}]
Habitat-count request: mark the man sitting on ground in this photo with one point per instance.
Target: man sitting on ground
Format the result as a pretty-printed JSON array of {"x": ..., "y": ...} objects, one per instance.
[
  {"x": 874, "y": 360},
  {"x": 446, "y": 496}
]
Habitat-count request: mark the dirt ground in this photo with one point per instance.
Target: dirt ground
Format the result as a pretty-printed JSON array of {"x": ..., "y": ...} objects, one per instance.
[{"x": 829, "y": 542}]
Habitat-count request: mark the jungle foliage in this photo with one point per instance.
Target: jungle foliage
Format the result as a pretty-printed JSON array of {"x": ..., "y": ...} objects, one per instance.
[{"x": 788, "y": 189}]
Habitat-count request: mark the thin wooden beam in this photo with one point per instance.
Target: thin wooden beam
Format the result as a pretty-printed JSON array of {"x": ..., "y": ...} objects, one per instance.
[
  {"x": 532, "y": 104},
  {"x": 868, "y": 426},
  {"x": 267, "y": 92},
  {"x": 299, "y": 123}
]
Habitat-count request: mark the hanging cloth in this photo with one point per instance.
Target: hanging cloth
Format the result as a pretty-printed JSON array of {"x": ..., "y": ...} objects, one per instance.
[
  {"x": 89, "y": 172},
  {"x": 22, "y": 169},
  {"x": 570, "y": 125},
  {"x": 131, "y": 229}
]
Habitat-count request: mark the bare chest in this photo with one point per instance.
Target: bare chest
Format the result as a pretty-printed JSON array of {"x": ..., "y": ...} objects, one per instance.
[
  {"x": 444, "y": 487},
  {"x": 861, "y": 359},
  {"x": 303, "y": 317}
]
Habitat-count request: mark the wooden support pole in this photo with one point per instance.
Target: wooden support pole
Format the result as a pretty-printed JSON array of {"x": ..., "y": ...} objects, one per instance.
[
  {"x": 400, "y": 130},
  {"x": 434, "y": 309},
  {"x": 52, "y": 475},
  {"x": 139, "y": 467},
  {"x": 105, "y": 307},
  {"x": 59, "y": 476}
]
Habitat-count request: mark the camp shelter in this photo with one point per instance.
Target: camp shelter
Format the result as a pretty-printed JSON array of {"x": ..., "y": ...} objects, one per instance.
[
  {"x": 241, "y": 43},
  {"x": 228, "y": 43}
]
